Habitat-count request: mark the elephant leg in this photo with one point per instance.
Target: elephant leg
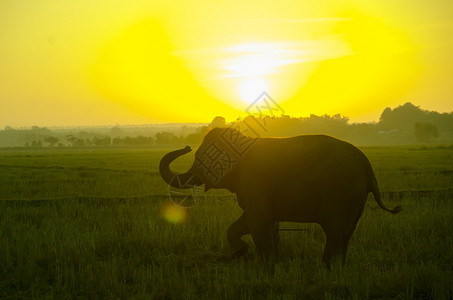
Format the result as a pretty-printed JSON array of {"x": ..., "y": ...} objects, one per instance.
[
  {"x": 262, "y": 231},
  {"x": 264, "y": 241},
  {"x": 339, "y": 233},
  {"x": 336, "y": 246},
  {"x": 260, "y": 221},
  {"x": 337, "y": 240},
  {"x": 234, "y": 234},
  {"x": 276, "y": 236}
]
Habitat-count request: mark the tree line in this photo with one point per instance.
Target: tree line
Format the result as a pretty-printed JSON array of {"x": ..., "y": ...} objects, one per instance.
[
  {"x": 405, "y": 124},
  {"x": 73, "y": 140},
  {"x": 94, "y": 137}
]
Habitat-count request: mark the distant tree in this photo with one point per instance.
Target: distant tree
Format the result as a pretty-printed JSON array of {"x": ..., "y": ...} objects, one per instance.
[
  {"x": 80, "y": 142},
  {"x": 363, "y": 130},
  {"x": 144, "y": 140},
  {"x": 284, "y": 125},
  {"x": 116, "y": 131},
  {"x": 193, "y": 138},
  {"x": 71, "y": 139},
  {"x": 101, "y": 141},
  {"x": 425, "y": 132},
  {"x": 117, "y": 141},
  {"x": 40, "y": 130},
  {"x": 75, "y": 141},
  {"x": 404, "y": 117},
  {"x": 137, "y": 141},
  {"x": 166, "y": 138},
  {"x": 51, "y": 140},
  {"x": 385, "y": 114},
  {"x": 217, "y": 122},
  {"x": 203, "y": 130},
  {"x": 128, "y": 140},
  {"x": 36, "y": 143}
]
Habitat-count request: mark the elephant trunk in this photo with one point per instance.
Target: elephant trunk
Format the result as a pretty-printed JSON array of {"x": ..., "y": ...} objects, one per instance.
[{"x": 181, "y": 181}]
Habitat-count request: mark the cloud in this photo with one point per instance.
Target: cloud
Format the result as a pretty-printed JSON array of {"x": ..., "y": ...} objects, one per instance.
[{"x": 267, "y": 57}]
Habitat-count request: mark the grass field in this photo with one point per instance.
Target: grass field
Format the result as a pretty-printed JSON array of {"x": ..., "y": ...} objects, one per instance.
[{"x": 90, "y": 224}]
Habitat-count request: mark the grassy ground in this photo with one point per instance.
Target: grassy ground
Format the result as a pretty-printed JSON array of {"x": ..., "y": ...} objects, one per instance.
[{"x": 90, "y": 224}]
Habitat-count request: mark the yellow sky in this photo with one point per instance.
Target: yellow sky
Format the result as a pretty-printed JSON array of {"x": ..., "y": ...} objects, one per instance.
[{"x": 130, "y": 62}]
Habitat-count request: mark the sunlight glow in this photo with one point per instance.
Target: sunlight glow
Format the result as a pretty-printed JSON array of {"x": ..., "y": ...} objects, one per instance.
[
  {"x": 257, "y": 59},
  {"x": 164, "y": 61},
  {"x": 251, "y": 88},
  {"x": 330, "y": 69}
]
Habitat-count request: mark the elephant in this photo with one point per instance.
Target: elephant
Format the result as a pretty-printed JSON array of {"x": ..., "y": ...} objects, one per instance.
[{"x": 307, "y": 178}]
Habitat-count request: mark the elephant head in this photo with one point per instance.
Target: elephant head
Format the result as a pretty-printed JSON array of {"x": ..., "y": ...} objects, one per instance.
[
  {"x": 181, "y": 181},
  {"x": 215, "y": 160}
]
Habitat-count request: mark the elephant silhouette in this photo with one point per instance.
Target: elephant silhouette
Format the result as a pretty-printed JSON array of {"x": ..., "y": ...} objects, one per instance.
[{"x": 306, "y": 178}]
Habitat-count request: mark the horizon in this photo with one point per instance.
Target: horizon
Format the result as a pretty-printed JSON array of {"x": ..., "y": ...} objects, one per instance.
[{"x": 169, "y": 124}]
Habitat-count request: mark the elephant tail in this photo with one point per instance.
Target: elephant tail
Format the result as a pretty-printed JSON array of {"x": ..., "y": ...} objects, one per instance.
[{"x": 377, "y": 195}]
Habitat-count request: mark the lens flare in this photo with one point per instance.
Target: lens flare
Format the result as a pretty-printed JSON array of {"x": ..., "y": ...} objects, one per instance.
[{"x": 173, "y": 213}]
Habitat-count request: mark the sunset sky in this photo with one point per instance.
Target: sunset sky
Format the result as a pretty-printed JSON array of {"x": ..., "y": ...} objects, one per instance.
[{"x": 99, "y": 62}]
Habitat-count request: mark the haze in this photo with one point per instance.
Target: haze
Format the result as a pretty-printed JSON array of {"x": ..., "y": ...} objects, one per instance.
[{"x": 116, "y": 62}]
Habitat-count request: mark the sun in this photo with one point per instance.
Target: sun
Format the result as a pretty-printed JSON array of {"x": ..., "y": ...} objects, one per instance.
[{"x": 251, "y": 88}]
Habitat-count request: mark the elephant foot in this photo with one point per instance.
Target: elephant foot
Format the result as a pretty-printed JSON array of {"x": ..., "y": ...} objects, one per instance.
[{"x": 240, "y": 251}]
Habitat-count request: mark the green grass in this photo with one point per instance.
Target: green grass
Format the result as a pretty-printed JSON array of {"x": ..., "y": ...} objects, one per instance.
[{"x": 89, "y": 224}]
